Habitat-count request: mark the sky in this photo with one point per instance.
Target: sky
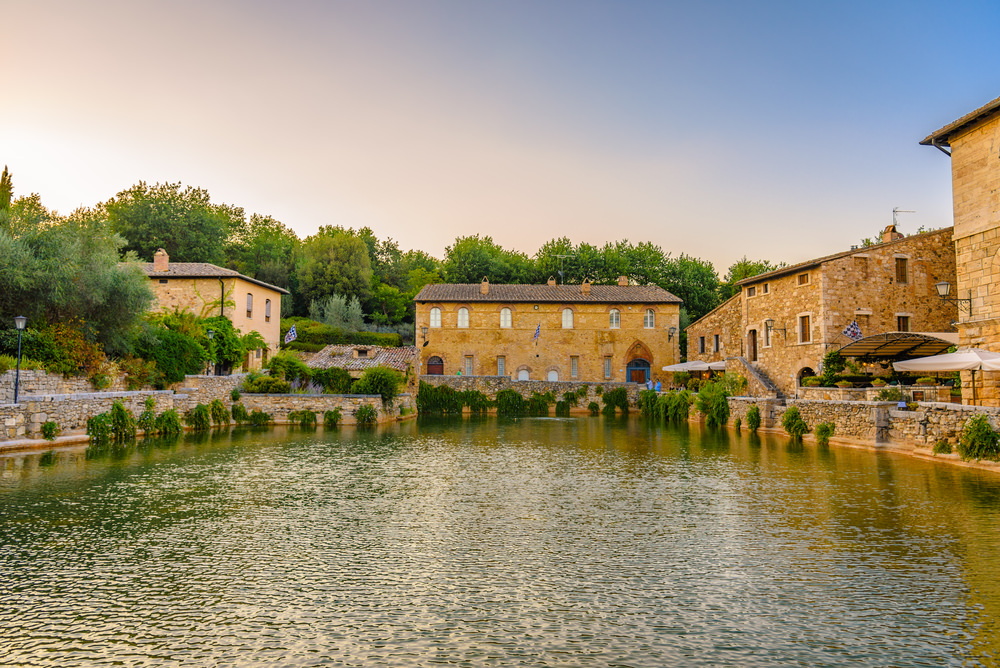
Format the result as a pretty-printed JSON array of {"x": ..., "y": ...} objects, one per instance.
[{"x": 773, "y": 130}]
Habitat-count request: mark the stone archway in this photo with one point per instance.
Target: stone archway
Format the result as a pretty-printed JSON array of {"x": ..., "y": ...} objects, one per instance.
[{"x": 435, "y": 366}]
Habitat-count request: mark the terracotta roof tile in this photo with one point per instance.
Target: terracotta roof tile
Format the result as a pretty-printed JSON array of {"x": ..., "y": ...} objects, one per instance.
[
  {"x": 343, "y": 357},
  {"x": 202, "y": 270},
  {"x": 503, "y": 292}
]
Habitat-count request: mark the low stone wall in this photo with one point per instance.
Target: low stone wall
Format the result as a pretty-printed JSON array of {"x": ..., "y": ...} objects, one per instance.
[
  {"x": 34, "y": 383},
  {"x": 874, "y": 421},
  {"x": 933, "y": 393},
  {"x": 203, "y": 389},
  {"x": 491, "y": 385},
  {"x": 280, "y": 405}
]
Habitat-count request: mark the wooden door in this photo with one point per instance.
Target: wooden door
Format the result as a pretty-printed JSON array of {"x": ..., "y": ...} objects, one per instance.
[{"x": 752, "y": 345}]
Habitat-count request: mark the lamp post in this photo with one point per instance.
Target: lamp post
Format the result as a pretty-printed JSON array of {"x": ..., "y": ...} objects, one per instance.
[
  {"x": 20, "y": 322},
  {"x": 944, "y": 289},
  {"x": 670, "y": 333},
  {"x": 208, "y": 366}
]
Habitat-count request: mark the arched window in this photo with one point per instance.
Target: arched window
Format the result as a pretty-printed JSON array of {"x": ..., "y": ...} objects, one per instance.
[
  {"x": 553, "y": 376},
  {"x": 435, "y": 366},
  {"x": 463, "y": 317},
  {"x": 249, "y": 305},
  {"x": 567, "y": 318},
  {"x": 435, "y": 317},
  {"x": 523, "y": 374},
  {"x": 649, "y": 320},
  {"x": 614, "y": 319},
  {"x": 267, "y": 310},
  {"x": 505, "y": 317}
]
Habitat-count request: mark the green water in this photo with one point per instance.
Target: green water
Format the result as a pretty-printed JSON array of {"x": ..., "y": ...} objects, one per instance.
[{"x": 537, "y": 542}]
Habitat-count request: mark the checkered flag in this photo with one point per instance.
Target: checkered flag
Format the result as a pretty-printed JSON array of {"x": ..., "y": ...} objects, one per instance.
[
  {"x": 291, "y": 336},
  {"x": 853, "y": 332}
]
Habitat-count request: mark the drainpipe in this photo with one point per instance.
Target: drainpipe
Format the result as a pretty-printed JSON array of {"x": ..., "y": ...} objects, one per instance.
[{"x": 222, "y": 297}]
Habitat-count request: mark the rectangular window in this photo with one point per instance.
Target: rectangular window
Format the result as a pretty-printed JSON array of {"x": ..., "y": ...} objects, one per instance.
[
  {"x": 607, "y": 368},
  {"x": 468, "y": 365},
  {"x": 249, "y": 305},
  {"x": 901, "y": 272},
  {"x": 902, "y": 323},
  {"x": 267, "y": 310},
  {"x": 767, "y": 337},
  {"x": 803, "y": 279},
  {"x": 715, "y": 343},
  {"x": 574, "y": 366},
  {"x": 259, "y": 353},
  {"x": 805, "y": 334},
  {"x": 751, "y": 291},
  {"x": 701, "y": 344},
  {"x": 163, "y": 280},
  {"x": 501, "y": 366},
  {"x": 766, "y": 289}
]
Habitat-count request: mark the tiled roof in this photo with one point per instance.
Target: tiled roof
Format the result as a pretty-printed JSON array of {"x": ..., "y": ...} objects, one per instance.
[
  {"x": 343, "y": 357},
  {"x": 503, "y": 292},
  {"x": 943, "y": 136},
  {"x": 202, "y": 270},
  {"x": 791, "y": 269}
]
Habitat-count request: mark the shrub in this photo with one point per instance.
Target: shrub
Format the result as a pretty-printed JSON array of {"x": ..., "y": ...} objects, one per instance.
[
  {"x": 572, "y": 398},
  {"x": 713, "y": 404},
  {"x": 334, "y": 380},
  {"x": 737, "y": 424},
  {"x": 239, "y": 413},
  {"x": 219, "y": 413},
  {"x": 599, "y": 390},
  {"x": 147, "y": 419},
  {"x": 844, "y": 383},
  {"x": 366, "y": 415},
  {"x": 235, "y": 394},
  {"x": 878, "y": 382},
  {"x": 123, "y": 425},
  {"x": 477, "y": 402},
  {"x": 594, "y": 408},
  {"x": 538, "y": 404},
  {"x": 693, "y": 384},
  {"x": 978, "y": 440},
  {"x": 380, "y": 380},
  {"x": 793, "y": 423},
  {"x": 439, "y": 399},
  {"x": 890, "y": 394},
  {"x": 99, "y": 428},
  {"x": 50, "y": 430},
  {"x": 678, "y": 406},
  {"x": 310, "y": 332},
  {"x": 942, "y": 447},
  {"x": 753, "y": 418},
  {"x": 332, "y": 418},
  {"x": 199, "y": 418},
  {"x": 648, "y": 403},
  {"x": 510, "y": 403},
  {"x": 734, "y": 384},
  {"x": 616, "y": 398},
  {"x": 168, "y": 422},
  {"x": 304, "y": 418},
  {"x": 259, "y": 418},
  {"x": 812, "y": 381},
  {"x": 926, "y": 380},
  {"x": 681, "y": 378},
  {"x": 266, "y": 385},
  {"x": 138, "y": 372},
  {"x": 174, "y": 353},
  {"x": 824, "y": 430},
  {"x": 289, "y": 367},
  {"x": 562, "y": 408}
]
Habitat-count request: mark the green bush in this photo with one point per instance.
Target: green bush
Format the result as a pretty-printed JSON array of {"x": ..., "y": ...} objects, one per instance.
[
  {"x": 538, "y": 404},
  {"x": 380, "y": 380},
  {"x": 366, "y": 415},
  {"x": 304, "y": 418},
  {"x": 168, "y": 422},
  {"x": 477, "y": 402},
  {"x": 889, "y": 394},
  {"x": 942, "y": 447},
  {"x": 235, "y": 394},
  {"x": 334, "y": 380},
  {"x": 288, "y": 367},
  {"x": 693, "y": 384},
  {"x": 316, "y": 333},
  {"x": 824, "y": 430},
  {"x": 681, "y": 378},
  {"x": 147, "y": 419},
  {"x": 438, "y": 399},
  {"x": 50, "y": 430},
  {"x": 594, "y": 408},
  {"x": 332, "y": 418},
  {"x": 599, "y": 390},
  {"x": 266, "y": 385},
  {"x": 926, "y": 380},
  {"x": 123, "y": 424},
  {"x": 812, "y": 381},
  {"x": 199, "y": 418},
  {"x": 737, "y": 424},
  {"x": 978, "y": 440},
  {"x": 616, "y": 398},
  {"x": 753, "y": 418},
  {"x": 259, "y": 418},
  {"x": 510, "y": 403},
  {"x": 793, "y": 423},
  {"x": 713, "y": 404},
  {"x": 220, "y": 415},
  {"x": 175, "y": 354},
  {"x": 99, "y": 428},
  {"x": 240, "y": 414},
  {"x": 562, "y": 408},
  {"x": 678, "y": 406},
  {"x": 648, "y": 403},
  {"x": 572, "y": 397}
]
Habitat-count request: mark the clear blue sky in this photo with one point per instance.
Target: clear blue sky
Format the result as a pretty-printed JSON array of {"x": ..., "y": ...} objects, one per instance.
[{"x": 777, "y": 130}]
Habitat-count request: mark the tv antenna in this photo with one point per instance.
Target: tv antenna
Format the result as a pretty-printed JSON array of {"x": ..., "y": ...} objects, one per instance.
[
  {"x": 896, "y": 210},
  {"x": 561, "y": 258}
]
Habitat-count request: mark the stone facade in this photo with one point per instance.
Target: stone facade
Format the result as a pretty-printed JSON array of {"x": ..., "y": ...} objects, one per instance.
[
  {"x": 207, "y": 290},
  {"x": 40, "y": 382},
  {"x": 887, "y": 287},
  {"x": 490, "y": 385},
  {"x": 718, "y": 334},
  {"x": 603, "y": 333},
  {"x": 975, "y": 168}
]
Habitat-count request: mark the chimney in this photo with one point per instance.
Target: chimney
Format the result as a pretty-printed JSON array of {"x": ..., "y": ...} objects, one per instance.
[
  {"x": 484, "y": 287},
  {"x": 623, "y": 280},
  {"x": 890, "y": 234},
  {"x": 585, "y": 287},
  {"x": 161, "y": 261},
  {"x": 552, "y": 280}
]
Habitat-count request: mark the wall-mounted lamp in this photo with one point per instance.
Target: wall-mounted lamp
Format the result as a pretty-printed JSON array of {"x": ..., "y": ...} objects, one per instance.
[
  {"x": 423, "y": 335},
  {"x": 944, "y": 289},
  {"x": 670, "y": 333},
  {"x": 769, "y": 324}
]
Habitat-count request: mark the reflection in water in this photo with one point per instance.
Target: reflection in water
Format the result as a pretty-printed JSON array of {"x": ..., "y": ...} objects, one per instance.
[{"x": 590, "y": 541}]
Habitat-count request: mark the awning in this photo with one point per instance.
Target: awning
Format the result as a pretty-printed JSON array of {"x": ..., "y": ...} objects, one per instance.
[
  {"x": 696, "y": 365},
  {"x": 900, "y": 345}
]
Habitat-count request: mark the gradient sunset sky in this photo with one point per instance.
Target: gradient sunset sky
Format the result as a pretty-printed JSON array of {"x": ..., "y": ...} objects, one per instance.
[{"x": 777, "y": 130}]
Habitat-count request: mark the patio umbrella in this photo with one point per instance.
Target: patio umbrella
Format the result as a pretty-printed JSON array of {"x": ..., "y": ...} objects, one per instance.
[
  {"x": 693, "y": 365},
  {"x": 970, "y": 359},
  {"x": 717, "y": 366}
]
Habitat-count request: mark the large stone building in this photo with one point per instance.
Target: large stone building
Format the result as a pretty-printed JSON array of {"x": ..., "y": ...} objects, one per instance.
[
  {"x": 973, "y": 141},
  {"x": 783, "y": 322},
  {"x": 207, "y": 290},
  {"x": 548, "y": 332}
]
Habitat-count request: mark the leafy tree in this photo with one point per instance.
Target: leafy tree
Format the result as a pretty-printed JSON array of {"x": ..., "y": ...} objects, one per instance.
[
  {"x": 6, "y": 191},
  {"x": 262, "y": 248},
  {"x": 694, "y": 281},
  {"x": 334, "y": 262},
  {"x": 741, "y": 269},
  {"x": 338, "y": 311},
  {"x": 548, "y": 262},
  {"x": 390, "y": 305},
  {"x": 471, "y": 258},
  {"x": 184, "y": 222},
  {"x": 176, "y": 354}
]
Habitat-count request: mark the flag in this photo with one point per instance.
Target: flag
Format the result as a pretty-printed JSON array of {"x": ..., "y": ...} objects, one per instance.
[
  {"x": 853, "y": 332},
  {"x": 291, "y": 336},
  {"x": 538, "y": 332}
]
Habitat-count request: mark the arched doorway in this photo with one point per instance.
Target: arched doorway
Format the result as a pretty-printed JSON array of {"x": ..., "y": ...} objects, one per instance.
[
  {"x": 638, "y": 371},
  {"x": 805, "y": 372},
  {"x": 435, "y": 366}
]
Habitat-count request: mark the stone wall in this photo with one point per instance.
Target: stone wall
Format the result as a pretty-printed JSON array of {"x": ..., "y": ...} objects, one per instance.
[
  {"x": 280, "y": 405},
  {"x": 490, "y": 385},
  {"x": 722, "y": 322},
  {"x": 936, "y": 393},
  {"x": 42, "y": 383}
]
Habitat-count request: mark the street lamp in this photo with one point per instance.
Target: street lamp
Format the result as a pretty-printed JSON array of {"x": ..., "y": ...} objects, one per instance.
[
  {"x": 423, "y": 334},
  {"x": 20, "y": 322},
  {"x": 944, "y": 289},
  {"x": 670, "y": 333},
  {"x": 208, "y": 366}
]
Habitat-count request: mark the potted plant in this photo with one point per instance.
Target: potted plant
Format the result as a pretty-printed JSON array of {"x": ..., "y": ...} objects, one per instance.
[
  {"x": 878, "y": 382},
  {"x": 811, "y": 381},
  {"x": 844, "y": 384},
  {"x": 926, "y": 380}
]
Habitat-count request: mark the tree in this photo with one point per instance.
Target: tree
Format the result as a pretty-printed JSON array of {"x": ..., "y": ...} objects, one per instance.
[
  {"x": 741, "y": 269},
  {"x": 390, "y": 305},
  {"x": 338, "y": 311},
  {"x": 334, "y": 262},
  {"x": 471, "y": 258},
  {"x": 185, "y": 223},
  {"x": 262, "y": 248},
  {"x": 6, "y": 191},
  {"x": 694, "y": 281}
]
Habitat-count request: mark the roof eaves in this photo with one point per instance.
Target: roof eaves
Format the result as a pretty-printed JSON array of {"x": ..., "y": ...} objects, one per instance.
[{"x": 943, "y": 136}]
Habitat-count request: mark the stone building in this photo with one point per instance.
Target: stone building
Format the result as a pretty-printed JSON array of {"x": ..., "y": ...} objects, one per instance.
[
  {"x": 207, "y": 290},
  {"x": 975, "y": 168},
  {"x": 356, "y": 359},
  {"x": 783, "y": 322},
  {"x": 548, "y": 332}
]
